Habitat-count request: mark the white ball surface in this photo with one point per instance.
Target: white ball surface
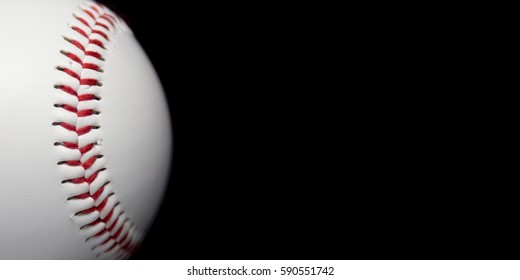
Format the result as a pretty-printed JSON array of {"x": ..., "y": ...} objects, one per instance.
[{"x": 85, "y": 134}]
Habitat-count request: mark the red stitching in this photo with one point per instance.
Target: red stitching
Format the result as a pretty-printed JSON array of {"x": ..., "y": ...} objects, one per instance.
[
  {"x": 89, "y": 14},
  {"x": 101, "y": 33},
  {"x": 87, "y": 148},
  {"x": 80, "y": 197},
  {"x": 67, "y": 126},
  {"x": 70, "y": 163},
  {"x": 69, "y": 72},
  {"x": 107, "y": 18},
  {"x": 98, "y": 193},
  {"x": 80, "y": 31},
  {"x": 114, "y": 226},
  {"x": 91, "y": 224},
  {"x": 72, "y": 56},
  {"x": 103, "y": 204},
  {"x": 76, "y": 43},
  {"x": 86, "y": 113},
  {"x": 95, "y": 9},
  {"x": 95, "y": 55},
  {"x": 92, "y": 66},
  {"x": 118, "y": 233},
  {"x": 90, "y": 82},
  {"x": 97, "y": 43},
  {"x": 85, "y": 212},
  {"x": 82, "y": 20},
  {"x": 88, "y": 97},
  {"x": 102, "y": 25},
  {"x": 110, "y": 214},
  {"x": 67, "y": 89}
]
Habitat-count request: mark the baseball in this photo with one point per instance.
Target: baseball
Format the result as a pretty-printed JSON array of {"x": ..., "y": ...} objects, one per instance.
[{"x": 85, "y": 133}]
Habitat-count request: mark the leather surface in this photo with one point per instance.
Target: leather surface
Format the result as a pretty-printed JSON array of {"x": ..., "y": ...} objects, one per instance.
[{"x": 36, "y": 219}]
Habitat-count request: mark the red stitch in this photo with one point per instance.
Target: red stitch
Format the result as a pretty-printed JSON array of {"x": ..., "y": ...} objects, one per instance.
[
  {"x": 112, "y": 17},
  {"x": 67, "y": 126},
  {"x": 98, "y": 193},
  {"x": 75, "y": 43},
  {"x": 116, "y": 219},
  {"x": 107, "y": 218},
  {"x": 77, "y": 181},
  {"x": 130, "y": 240},
  {"x": 72, "y": 56},
  {"x": 84, "y": 130},
  {"x": 126, "y": 244},
  {"x": 80, "y": 31},
  {"x": 91, "y": 66},
  {"x": 102, "y": 25},
  {"x": 97, "y": 43},
  {"x": 94, "y": 54},
  {"x": 89, "y": 82},
  {"x": 69, "y": 72},
  {"x": 95, "y": 9},
  {"x": 101, "y": 233},
  {"x": 71, "y": 162},
  {"x": 66, "y": 107},
  {"x": 81, "y": 196},
  {"x": 69, "y": 108},
  {"x": 87, "y": 97},
  {"x": 89, "y": 14},
  {"x": 116, "y": 235},
  {"x": 93, "y": 177},
  {"x": 70, "y": 145},
  {"x": 85, "y": 212},
  {"x": 103, "y": 204},
  {"x": 113, "y": 225},
  {"x": 67, "y": 89},
  {"x": 82, "y": 20},
  {"x": 92, "y": 224},
  {"x": 105, "y": 17},
  {"x": 101, "y": 33},
  {"x": 86, "y": 149},
  {"x": 89, "y": 162},
  {"x": 85, "y": 113},
  {"x": 104, "y": 242}
]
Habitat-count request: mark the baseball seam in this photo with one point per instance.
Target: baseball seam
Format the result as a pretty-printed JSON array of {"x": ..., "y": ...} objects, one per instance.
[{"x": 98, "y": 212}]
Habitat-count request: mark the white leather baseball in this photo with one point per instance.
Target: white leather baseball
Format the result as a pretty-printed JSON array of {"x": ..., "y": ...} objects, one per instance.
[{"x": 85, "y": 134}]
